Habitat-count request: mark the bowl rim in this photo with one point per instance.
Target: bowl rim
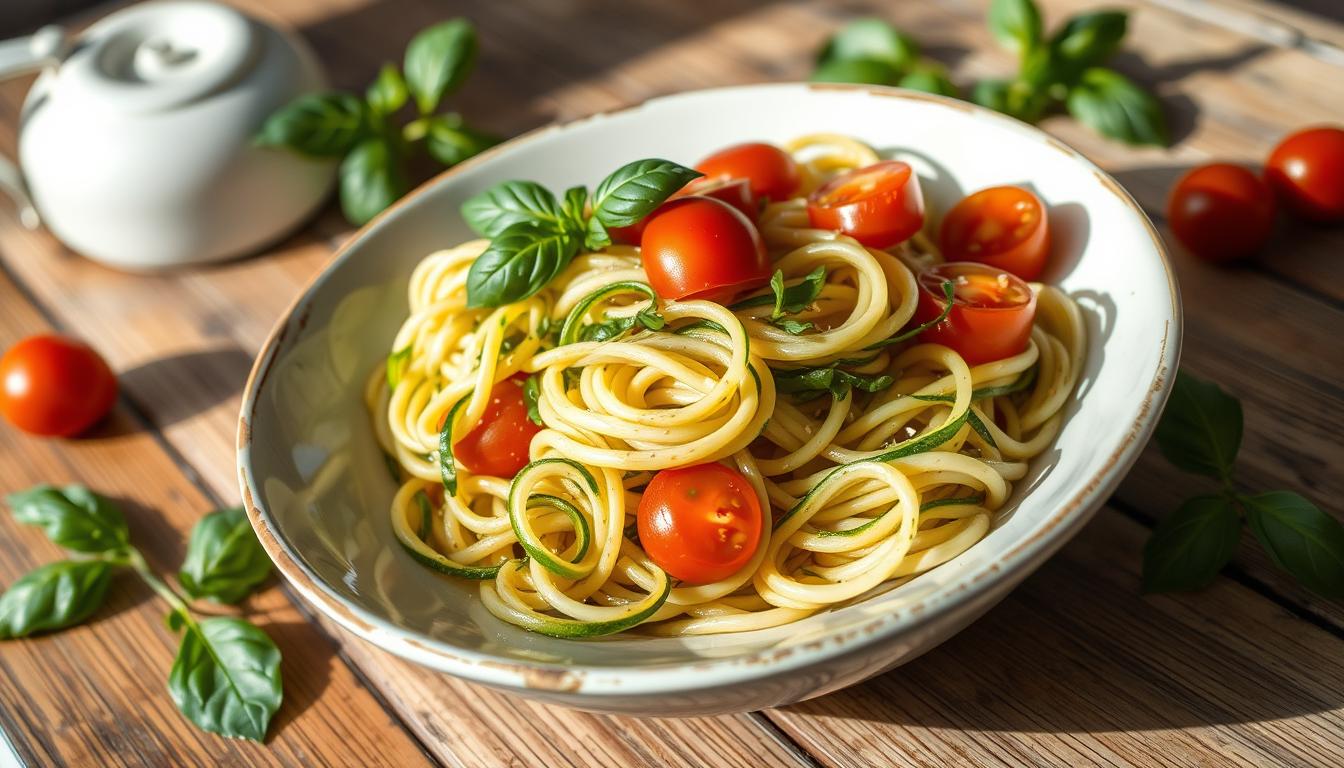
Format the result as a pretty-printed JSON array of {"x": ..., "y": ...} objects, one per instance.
[{"x": 1008, "y": 567}]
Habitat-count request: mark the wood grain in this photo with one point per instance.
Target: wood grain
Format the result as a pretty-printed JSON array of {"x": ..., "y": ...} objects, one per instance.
[{"x": 1073, "y": 669}]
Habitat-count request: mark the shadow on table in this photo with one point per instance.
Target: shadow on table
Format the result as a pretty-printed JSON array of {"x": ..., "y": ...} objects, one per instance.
[
  {"x": 305, "y": 667},
  {"x": 196, "y": 381}
]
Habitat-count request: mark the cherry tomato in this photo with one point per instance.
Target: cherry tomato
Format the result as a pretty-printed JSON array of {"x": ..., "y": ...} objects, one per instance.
[
  {"x": 498, "y": 446},
  {"x": 702, "y": 248},
  {"x": 771, "y": 171},
  {"x": 53, "y": 385},
  {"x": 1221, "y": 212},
  {"x": 991, "y": 311},
  {"x": 701, "y": 524},
  {"x": 735, "y": 192},
  {"x": 879, "y": 205},
  {"x": 1004, "y": 227},
  {"x": 1307, "y": 170}
]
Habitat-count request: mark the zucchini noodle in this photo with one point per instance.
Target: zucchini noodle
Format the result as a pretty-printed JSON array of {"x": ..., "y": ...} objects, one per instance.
[{"x": 859, "y": 492}]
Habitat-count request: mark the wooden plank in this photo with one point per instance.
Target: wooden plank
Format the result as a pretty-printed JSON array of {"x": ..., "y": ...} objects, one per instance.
[
  {"x": 97, "y": 694},
  {"x": 1076, "y": 669}
]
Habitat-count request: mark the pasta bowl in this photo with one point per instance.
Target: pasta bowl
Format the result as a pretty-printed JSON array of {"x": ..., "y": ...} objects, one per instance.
[{"x": 317, "y": 488}]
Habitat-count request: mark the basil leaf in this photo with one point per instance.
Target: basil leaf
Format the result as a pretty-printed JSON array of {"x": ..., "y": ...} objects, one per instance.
[
  {"x": 73, "y": 517},
  {"x": 224, "y": 559},
  {"x": 1088, "y": 39},
  {"x": 1030, "y": 94},
  {"x": 54, "y": 596},
  {"x": 948, "y": 295},
  {"x": 1200, "y": 431},
  {"x": 520, "y": 261},
  {"x": 992, "y": 94},
  {"x": 317, "y": 124},
  {"x": 388, "y": 93},
  {"x": 1300, "y": 538},
  {"x": 511, "y": 202},
  {"x": 871, "y": 40},
  {"x": 866, "y": 71},
  {"x": 789, "y": 325},
  {"x": 596, "y": 236},
  {"x": 650, "y": 319},
  {"x": 438, "y": 59},
  {"x": 828, "y": 379},
  {"x": 1113, "y": 106},
  {"x": 575, "y": 205},
  {"x": 226, "y": 678},
  {"x": 606, "y": 330},
  {"x": 450, "y": 141},
  {"x": 788, "y": 299},
  {"x": 930, "y": 80},
  {"x": 1016, "y": 24},
  {"x": 371, "y": 180},
  {"x": 396, "y": 366},
  {"x": 635, "y": 189},
  {"x": 531, "y": 395},
  {"x": 1191, "y": 545}
]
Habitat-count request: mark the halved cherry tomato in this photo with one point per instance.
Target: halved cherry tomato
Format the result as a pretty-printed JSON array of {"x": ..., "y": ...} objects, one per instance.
[
  {"x": 53, "y": 385},
  {"x": 991, "y": 313},
  {"x": 1221, "y": 212},
  {"x": 702, "y": 248},
  {"x": 1307, "y": 170},
  {"x": 735, "y": 192},
  {"x": 771, "y": 171},
  {"x": 879, "y": 205},
  {"x": 701, "y": 524},
  {"x": 498, "y": 445},
  {"x": 1004, "y": 227}
]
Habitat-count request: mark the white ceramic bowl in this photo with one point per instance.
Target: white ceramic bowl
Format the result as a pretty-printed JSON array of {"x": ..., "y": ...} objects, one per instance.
[{"x": 318, "y": 491}]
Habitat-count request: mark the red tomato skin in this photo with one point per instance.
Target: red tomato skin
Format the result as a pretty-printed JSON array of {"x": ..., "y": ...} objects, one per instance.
[
  {"x": 773, "y": 173},
  {"x": 1221, "y": 212},
  {"x": 879, "y": 219},
  {"x": 702, "y": 248},
  {"x": 978, "y": 334},
  {"x": 1307, "y": 171},
  {"x": 498, "y": 445},
  {"x": 1024, "y": 255},
  {"x": 55, "y": 386},
  {"x": 701, "y": 524},
  {"x": 735, "y": 192}
]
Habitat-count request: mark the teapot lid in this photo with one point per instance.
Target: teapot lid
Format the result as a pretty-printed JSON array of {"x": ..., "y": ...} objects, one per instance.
[{"x": 157, "y": 56}]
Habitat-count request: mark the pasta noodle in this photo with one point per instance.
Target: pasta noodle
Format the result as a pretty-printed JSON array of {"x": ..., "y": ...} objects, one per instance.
[{"x": 859, "y": 491}]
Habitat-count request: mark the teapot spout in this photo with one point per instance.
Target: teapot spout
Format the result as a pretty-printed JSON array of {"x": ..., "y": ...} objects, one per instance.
[{"x": 44, "y": 48}]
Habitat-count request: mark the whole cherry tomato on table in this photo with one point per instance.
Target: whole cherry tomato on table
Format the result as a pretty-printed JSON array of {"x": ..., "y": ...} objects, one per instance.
[
  {"x": 991, "y": 315},
  {"x": 701, "y": 524},
  {"x": 773, "y": 173},
  {"x": 1307, "y": 171},
  {"x": 55, "y": 386},
  {"x": 499, "y": 443},
  {"x": 1221, "y": 212},
  {"x": 702, "y": 248},
  {"x": 1004, "y": 227},
  {"x": 879, "y": 205}
]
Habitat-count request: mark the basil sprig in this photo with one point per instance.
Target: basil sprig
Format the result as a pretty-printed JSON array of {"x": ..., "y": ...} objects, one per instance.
[
  {"x": 808, "y": 383},
  {"x": 1201, "y": 432},
  {"x": 788, "y": 300},
  {"x": 534, "y": 236},
  {"x": 1063, "y": 70},
  {"x": 366, "y": 132},
  {"x": 226, "y": 678}
]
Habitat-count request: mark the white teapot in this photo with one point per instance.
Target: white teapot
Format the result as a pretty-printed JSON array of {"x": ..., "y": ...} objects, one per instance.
[{"x": 136, "y": 141}]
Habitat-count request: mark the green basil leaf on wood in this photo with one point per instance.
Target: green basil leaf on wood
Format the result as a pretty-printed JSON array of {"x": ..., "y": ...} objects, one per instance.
[
  {"x": 54, "y": 596},
  {"x": 863, "y": 71},
  {"x": 511, "y": 202},
  {"x": 870, "y": 40},
  {"x": 1089, "y": 39},
  {"x": 992, "y": 94},
  {"x": 224, "y": 562},
  {"x": 930, "y": 80},
  {"x": 438, "y": 60},
  {"x": 519, "y": 261},
  {"x": 317, "y": 124},
  {"x": 1016, "y": 24},
  {"x": 371, "y": 180},
  {"x": 388, "y": 92},
  {"x": 1200, "y": 430},
  {"x": 1191, "y": 545},
  {"x": 450, "y": 141},
  {"x": 1115, "y": 107},
  {"x": 226, "y": 678},
  {"x": 635, "y": 189},
  {"x": 1300, "y": 538},
  {"x": 73, "y": 517}
]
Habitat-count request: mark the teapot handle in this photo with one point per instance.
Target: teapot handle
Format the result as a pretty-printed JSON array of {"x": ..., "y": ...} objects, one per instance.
[{"x": 45, "y": 47}]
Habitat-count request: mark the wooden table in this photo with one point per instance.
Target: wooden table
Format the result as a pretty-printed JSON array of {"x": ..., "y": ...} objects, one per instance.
[{"x": 1075, "y": 668}]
